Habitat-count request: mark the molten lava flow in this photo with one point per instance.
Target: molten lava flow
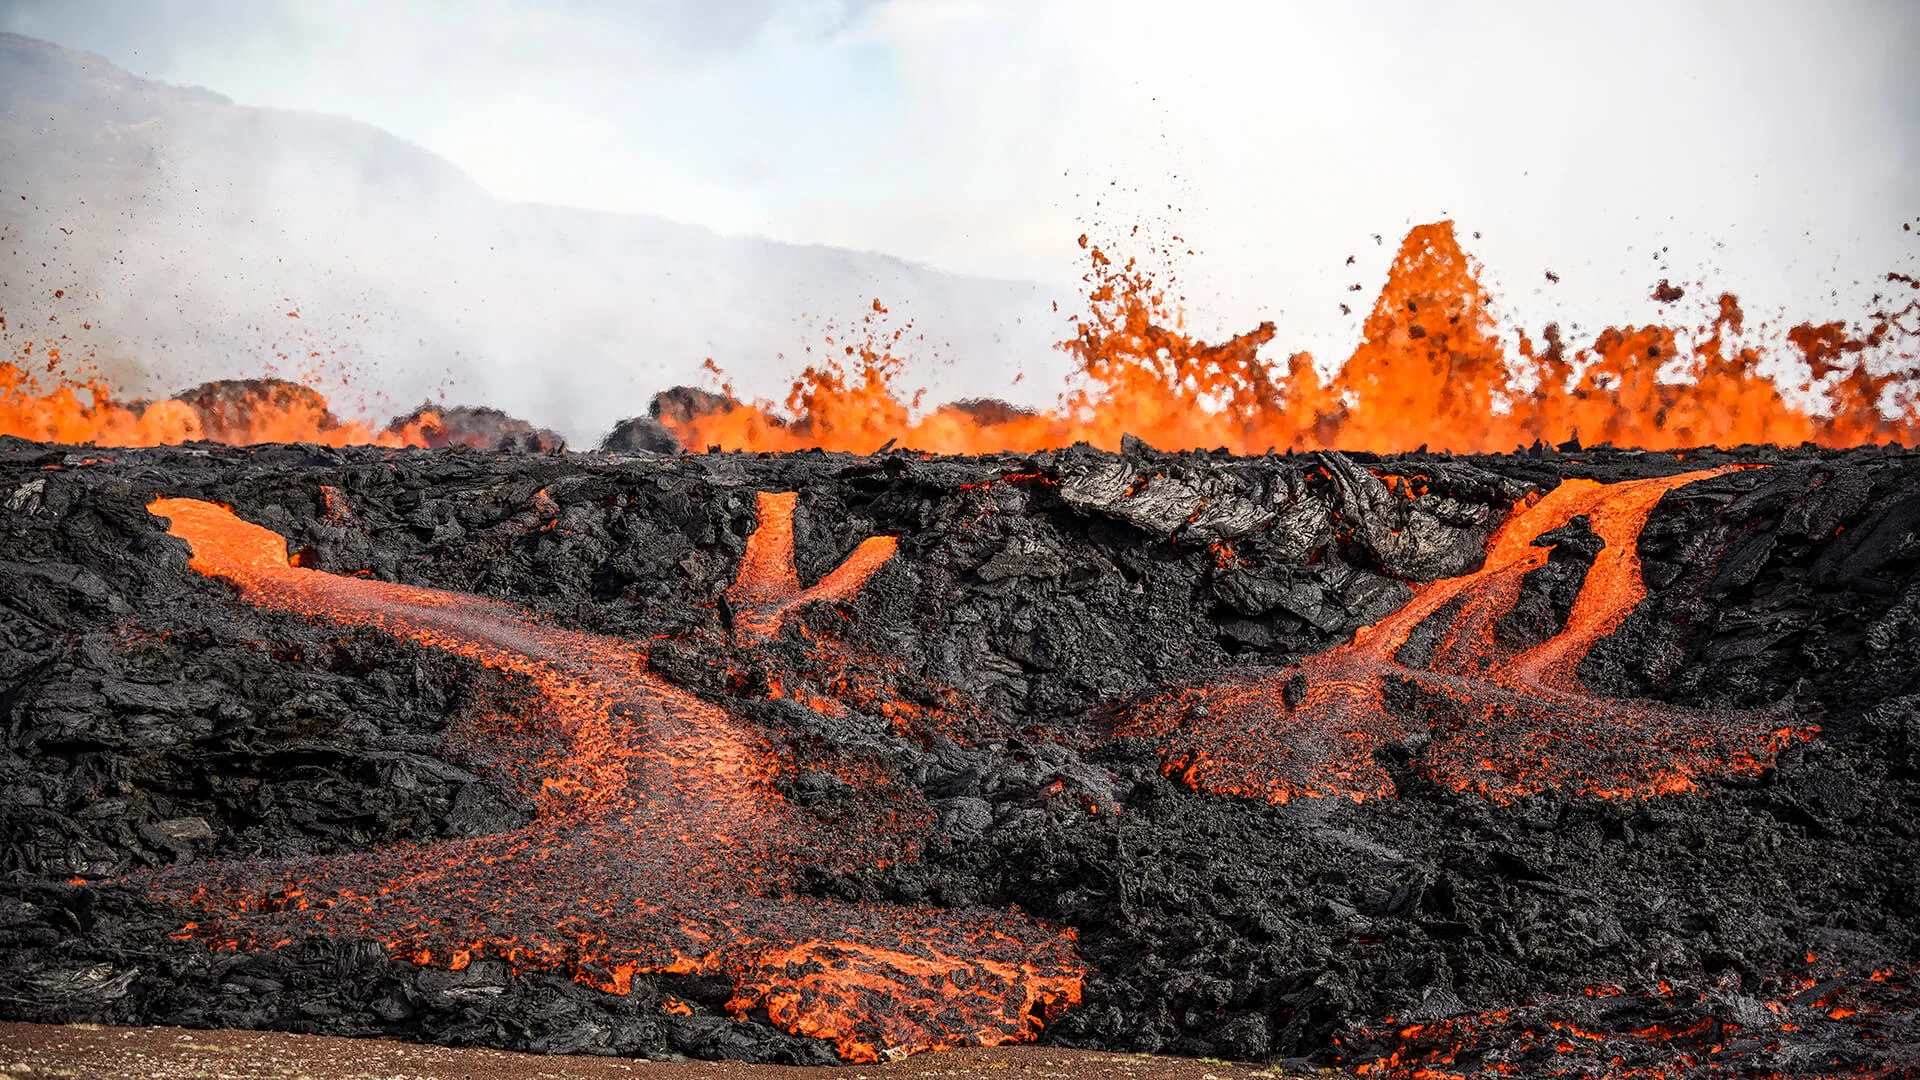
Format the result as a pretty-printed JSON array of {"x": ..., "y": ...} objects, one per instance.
[
  {"x": 767, "y": 586},
  {"x": 1504, "y": 722},
  {"x": 661, "y": 842},
  {"x": 834, "y": 676},
  {"x": 1430, "y": 370}
]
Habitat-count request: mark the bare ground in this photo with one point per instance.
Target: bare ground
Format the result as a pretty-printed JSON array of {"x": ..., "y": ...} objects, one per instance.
[{"x": 93, "y": 1052}]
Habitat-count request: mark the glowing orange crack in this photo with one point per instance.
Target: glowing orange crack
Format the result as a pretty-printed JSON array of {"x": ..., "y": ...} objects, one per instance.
[
  {"x": 1502, "y": 724},
  {"x": 660, "y": 844}
]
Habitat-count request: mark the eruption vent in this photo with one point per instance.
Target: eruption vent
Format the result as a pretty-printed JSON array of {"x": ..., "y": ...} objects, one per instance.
[
  {"x": 661, "y": 843},
  {"x": 1505, "y": 720}
]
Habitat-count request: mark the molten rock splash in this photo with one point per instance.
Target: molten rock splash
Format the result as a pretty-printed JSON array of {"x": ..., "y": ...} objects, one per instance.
[
  {"x": 242, "y": 412},
  {"x": 1431, "y": 370}
]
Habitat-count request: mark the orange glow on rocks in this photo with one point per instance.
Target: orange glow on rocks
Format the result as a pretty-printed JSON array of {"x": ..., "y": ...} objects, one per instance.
[
  {"x": 661, "y": 843},
  {"x": 1620, "y": 1037},
  {"x": 1503, "y": 721}
]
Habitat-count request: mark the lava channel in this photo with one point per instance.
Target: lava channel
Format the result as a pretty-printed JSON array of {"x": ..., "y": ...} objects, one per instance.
[
  {"x": 1503, "y": 722},
  {"x": 660, "y": 844}
]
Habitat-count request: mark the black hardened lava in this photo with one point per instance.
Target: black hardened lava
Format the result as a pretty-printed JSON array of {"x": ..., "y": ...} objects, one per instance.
[{"x": 1768, "y": 916}]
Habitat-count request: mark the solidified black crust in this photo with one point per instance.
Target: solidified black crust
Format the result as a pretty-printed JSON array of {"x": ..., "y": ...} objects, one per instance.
[{"x": 150, "y": 717}]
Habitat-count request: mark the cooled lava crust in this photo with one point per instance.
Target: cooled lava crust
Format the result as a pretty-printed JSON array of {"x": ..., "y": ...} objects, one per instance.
[{"x": 1586, "y": 763}]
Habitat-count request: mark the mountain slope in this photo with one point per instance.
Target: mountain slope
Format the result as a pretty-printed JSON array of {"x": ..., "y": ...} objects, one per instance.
[{"x": 177, "y": 236}]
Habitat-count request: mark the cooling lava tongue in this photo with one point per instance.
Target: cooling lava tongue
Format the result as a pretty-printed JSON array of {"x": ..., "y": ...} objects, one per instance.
[
  {"x": 1503, "y": 721},
  {"x": 661, "y": 843}
]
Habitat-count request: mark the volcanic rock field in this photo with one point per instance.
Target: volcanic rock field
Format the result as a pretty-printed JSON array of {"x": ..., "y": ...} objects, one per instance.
[{"x": 1402, "y": 762}]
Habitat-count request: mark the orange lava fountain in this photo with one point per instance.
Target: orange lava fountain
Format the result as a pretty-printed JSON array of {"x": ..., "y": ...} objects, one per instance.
[
  {"x": 661, "y": 843},
  {"x": 1430, "y": 371},
  {"x": 243, "y": 413},
  {"x": 1504, "y": 722}
]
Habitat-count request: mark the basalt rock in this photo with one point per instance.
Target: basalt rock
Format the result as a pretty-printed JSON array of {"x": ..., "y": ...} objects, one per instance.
[
  {"x": 478, "y": 428},
  {"x": 683, "y": 404},
  {"x": 153, "y": 720},
  {"x": 640, "y": 433},
  {"x": 227, "y": 407}
]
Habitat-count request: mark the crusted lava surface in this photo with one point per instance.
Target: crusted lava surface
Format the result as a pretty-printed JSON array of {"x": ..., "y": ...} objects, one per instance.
[{"x": 1547, "y": 763}]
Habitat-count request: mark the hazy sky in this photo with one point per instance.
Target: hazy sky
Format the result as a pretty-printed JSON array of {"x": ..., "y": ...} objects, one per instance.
[{"x": 1774, "y": 145}]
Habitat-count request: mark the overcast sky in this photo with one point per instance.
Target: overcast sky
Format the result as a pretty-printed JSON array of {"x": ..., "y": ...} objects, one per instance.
[{"x": 1771, "y": 145}]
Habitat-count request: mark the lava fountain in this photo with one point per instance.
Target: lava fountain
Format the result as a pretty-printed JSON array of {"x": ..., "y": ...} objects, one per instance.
[{"x": 1432, "y": 369}]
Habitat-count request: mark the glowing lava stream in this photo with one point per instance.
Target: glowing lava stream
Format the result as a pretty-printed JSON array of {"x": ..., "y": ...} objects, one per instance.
[
  {"x": 767, "y": 587},
  {"x": 1503, "y": 723},
  {"x": 661, "y": 843}
]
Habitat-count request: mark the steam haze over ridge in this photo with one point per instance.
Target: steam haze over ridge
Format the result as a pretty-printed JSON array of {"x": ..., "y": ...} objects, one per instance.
[
  {"x": 196, "y": 239},
  {"x": 1771, "y": 148}
]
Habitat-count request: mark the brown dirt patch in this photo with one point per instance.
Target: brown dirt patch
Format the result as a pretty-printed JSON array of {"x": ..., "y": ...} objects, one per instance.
[{"x": 89, "y": 1051}]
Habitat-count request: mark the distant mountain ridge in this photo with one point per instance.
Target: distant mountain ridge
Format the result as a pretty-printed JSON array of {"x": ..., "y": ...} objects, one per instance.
[{"x": 180, "y": 237}]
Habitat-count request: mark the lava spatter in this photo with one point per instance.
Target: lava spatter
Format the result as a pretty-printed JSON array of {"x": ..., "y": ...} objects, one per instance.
[
  {"x": 661, "y": 842},
  {"x": 1503, "y": 722},
  {"x": 1431, "y": 369}
]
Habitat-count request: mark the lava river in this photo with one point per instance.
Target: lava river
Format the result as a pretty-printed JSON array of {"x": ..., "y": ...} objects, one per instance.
[
  {"x": 661, "y": 841},
  {"x": 1484, "y": 714}
]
